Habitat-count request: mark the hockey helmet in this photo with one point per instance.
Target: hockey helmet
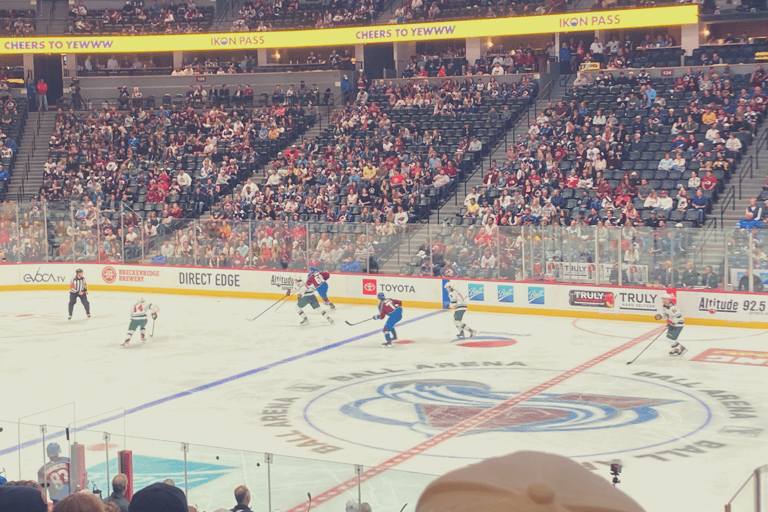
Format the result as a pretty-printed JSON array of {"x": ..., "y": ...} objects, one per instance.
[
  {"x": 448, "y": 286},
  {"x": 53, "y": 449},
  {"x": 141, "y": 300},
  {"x": 380, "y": 296},
  {"x": 667, "y": 296},
  {"x": 312, "y": 269}
]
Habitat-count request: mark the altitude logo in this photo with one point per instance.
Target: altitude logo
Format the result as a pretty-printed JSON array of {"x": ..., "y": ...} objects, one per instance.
[{"x": 281, "y": 282}]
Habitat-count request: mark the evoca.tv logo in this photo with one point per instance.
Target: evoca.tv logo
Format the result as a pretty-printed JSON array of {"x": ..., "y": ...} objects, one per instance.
[
  {"x": 506, "y": 293},
  {"x": 42, "y": 277},
  {"x": 536, "y": 295},
  {"x": 476, "y": 292}
]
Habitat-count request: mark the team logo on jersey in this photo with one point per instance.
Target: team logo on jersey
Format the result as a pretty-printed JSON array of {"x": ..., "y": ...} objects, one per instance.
[
  {"x": 506, "y": 293},
  {"x": 536, "y": 295},
  {"x": 440, "y": 404},
  {"x": 476, "y": 292},
  {"x": 109, "y": 274}
]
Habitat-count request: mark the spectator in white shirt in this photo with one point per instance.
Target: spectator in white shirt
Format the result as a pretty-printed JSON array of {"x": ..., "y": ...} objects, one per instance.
[
  {"x": 472, "y": 195},
  {"x": 183, "y": 179},
  {"x": 665, "y": 164},
  {"x": 665, "y": 202}
]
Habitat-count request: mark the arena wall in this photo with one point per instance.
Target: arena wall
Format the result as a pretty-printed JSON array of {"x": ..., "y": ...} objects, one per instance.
[{"x": 700, "y": 307}]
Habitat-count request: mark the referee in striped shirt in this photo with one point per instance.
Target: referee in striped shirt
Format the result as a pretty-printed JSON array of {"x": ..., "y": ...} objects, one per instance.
[{"x": 78, "y": 288}]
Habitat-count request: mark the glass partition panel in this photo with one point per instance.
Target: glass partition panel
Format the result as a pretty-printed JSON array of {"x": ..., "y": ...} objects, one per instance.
[
  {"x": 132, "y": 233},
  {"x": 99, "y": 446},
  {"x": 292, "y": 478},
  {"x": 35, "y": 432},
  {"x": 214, "y": 473},
  {"x": 392, "y": 489},
  {"x": 31, "y": 233}
]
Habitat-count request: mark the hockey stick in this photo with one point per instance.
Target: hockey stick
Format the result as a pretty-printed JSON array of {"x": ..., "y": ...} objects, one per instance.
[
  {"x": 152, "y": 334},
  {"x": 281, "y": 304},
  {"x": 270, "y": 307},
  {"x": 358, "y": 323},
  {"x": 646, "y": 348}
]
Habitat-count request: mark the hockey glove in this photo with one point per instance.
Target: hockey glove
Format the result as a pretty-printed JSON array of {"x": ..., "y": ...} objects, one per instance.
[
  {"x": 375, "y": 317},
  {"x": 154, "y": 316},
  {"x": 657, "y": 316}
]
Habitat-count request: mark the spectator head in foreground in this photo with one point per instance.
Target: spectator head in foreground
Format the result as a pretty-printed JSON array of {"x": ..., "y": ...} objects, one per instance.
[
  {"x": 83, "y": 501},
  {"x": 22, "y": 496},
  {"x": 522, "y": 482},
  {"x": 159, "y": 497}
]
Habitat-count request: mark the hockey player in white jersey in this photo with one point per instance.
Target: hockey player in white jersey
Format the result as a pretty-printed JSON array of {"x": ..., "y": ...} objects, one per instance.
[
  {"x": 675, "y": 323},
  {"x": 139, "y": 312},
  {"x": 306, "y": 297},
  {"x": 459, "y": 306}
]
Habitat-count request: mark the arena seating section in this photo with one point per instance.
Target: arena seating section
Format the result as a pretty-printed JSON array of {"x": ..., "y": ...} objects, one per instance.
[
  {"x": 17, "y": 23},
  {"x": 17, "y": 113}
]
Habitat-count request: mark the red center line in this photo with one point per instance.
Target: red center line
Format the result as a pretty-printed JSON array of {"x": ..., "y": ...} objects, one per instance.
[{"x": 471, "y": 423}]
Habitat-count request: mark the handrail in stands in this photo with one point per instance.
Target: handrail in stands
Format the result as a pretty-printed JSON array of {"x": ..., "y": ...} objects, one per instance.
[
  {"x": 743, "y": 175},
  {"x": 729, "y": 199}
]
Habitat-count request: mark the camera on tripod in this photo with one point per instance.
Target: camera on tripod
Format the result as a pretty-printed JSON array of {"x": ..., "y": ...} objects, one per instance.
[{"x": 615, "y": 472}]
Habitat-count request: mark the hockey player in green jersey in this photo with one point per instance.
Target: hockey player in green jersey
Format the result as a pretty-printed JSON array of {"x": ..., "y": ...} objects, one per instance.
[{"x": 139, "y": 313}]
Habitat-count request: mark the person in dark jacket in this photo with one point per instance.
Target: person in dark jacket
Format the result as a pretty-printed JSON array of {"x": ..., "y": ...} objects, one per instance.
[
  {"x": 243, "y": 497},
  {"x": 119, "y": 485},
  {"x": 744, "y": 283}
]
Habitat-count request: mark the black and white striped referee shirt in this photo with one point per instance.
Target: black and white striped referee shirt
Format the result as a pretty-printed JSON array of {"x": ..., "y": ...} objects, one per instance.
[{"x": 78, "y": 285}]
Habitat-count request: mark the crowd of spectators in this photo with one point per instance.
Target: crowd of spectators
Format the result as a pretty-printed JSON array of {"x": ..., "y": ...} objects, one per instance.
[
  {"x": 158, "y": 18},
  {"x": 268, "y": 15},
  {"x": 17, "y": 23},
  {"x": 583, "y": 159},
  {"x": 157, "y": 165},
  {"x": 412, "y": 11}
]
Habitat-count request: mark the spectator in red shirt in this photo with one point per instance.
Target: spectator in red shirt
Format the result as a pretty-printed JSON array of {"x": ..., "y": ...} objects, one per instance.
[
  {"x": 708, "y": 182},
  {"x": 42, "y": 94}
]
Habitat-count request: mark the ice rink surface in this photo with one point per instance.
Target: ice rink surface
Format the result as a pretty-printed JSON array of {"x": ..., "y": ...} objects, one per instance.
[{"x": 323, "y": 398}]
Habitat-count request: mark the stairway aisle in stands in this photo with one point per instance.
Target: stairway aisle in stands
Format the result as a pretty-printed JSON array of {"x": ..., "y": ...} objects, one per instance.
[
  {"x": 713, "y": 240},
  {"x": 450, "y": 209},
  {"x": 417, "y": 233},
  {"x": 37, "y": 154}
]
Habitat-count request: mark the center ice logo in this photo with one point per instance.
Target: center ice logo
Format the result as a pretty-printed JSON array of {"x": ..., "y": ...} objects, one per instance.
[{"x": 440, "y": 404}]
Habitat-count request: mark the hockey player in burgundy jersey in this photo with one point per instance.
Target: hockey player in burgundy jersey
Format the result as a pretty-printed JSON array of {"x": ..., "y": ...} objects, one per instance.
[
  {"x": 320, "y": 282},
  {"x": 392, "y": 310}
]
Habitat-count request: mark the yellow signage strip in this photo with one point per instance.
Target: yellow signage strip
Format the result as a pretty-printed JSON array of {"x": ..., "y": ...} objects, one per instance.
[{"x": 571, "y": 22}]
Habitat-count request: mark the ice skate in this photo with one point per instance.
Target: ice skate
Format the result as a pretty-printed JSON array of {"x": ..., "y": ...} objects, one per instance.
[
  {"x": 678, "y": 350},
  {"x": 472, "y": 333},
  {"x": 329, "y": 319},
  {"x": 304, "y": 321},
  {"x": 331, "y": 305},
  {"x": 387, "y": 343},
  {"x": 460, "y": 335},
  {"x": 69, "y": 318},
  {"x": 126, "y": 342}
]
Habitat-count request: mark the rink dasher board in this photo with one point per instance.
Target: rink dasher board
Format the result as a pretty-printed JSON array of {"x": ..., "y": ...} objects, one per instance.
[{"x": 578, "y": 300}]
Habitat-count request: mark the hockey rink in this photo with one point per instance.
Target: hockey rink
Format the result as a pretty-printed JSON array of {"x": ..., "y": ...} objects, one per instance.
[{"x": 323, "y": 398}]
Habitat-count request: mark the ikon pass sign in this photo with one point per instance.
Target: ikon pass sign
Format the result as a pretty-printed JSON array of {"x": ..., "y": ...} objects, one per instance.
[{"x": 731, "y": 356}]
